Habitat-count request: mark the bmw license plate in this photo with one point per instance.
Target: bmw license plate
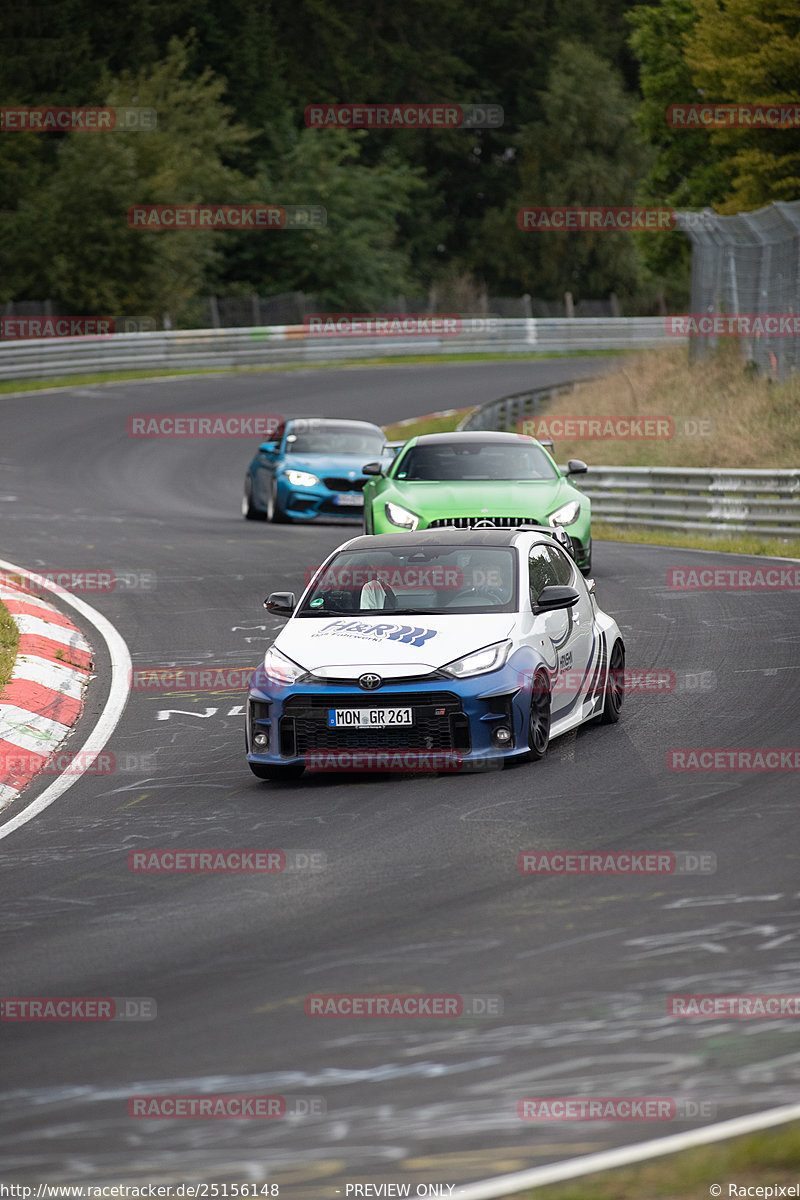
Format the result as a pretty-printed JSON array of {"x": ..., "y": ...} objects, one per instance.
[
  {"x": 369, "y": 718},
  {"x": 349, "y": 500}
]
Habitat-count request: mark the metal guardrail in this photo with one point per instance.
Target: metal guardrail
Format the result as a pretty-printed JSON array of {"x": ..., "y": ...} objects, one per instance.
[
  {"x": 227, "y": 349},
  {"x": 706, "y": 499}
]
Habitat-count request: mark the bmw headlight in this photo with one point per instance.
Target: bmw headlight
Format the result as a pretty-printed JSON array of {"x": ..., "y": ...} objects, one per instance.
[
  {"x": 401, "y": 516},
  {"x": 491, "y": 658},
  {"x": 566, "y": 515},
  {"x": 280, "y": 669},
  {"x": 301, "y": 478}
]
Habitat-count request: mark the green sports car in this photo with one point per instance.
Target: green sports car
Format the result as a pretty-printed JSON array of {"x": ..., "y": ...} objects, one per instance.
[{"x": 477, "y": 481}]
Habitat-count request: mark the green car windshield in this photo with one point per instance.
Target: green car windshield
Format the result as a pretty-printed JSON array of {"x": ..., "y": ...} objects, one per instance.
[
  {"x": 408, "y": 579},
  {"x": 474, "y": 461}
]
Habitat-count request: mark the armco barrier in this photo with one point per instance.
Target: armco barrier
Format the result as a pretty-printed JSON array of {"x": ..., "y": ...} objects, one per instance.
[
  {"x": 227, "y": 349},
  {"x": 706, "y": 499}
]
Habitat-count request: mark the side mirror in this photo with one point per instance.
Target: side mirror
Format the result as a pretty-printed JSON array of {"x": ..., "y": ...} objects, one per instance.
[
  {"x": 556, "y": 596},
  {"x": 576, "y": 466},
  {"x": 283, "y": 604},
  {"x": 268, "y": 448},
  {"x": 373, "y": 468}
]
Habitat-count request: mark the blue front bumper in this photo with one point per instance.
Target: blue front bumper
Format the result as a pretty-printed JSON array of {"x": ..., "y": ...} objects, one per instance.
[
  {"x": 319, "y": 501},
  {"x": 451, "y": 717}
]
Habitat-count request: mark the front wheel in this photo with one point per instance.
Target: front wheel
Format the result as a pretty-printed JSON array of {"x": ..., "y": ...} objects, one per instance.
[
  {"x": 277, "y": 772},
  {"x": 615, "y": 686},
  {"x": 274, "y": 511},
  {"x": 539, "y": 717},
  {"x": 249, "y": 512}
]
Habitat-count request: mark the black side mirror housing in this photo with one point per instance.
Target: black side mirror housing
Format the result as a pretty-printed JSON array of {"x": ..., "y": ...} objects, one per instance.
[
  {"x": 556, "y": 596},
  {"x": 373, "y": 468},
  {"x": 576, "y": 466},
  {"x": 281, "y": 604}
]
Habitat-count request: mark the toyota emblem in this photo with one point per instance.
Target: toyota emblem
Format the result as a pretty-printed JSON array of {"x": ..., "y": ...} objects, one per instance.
[{"x": 369, "y": 682}]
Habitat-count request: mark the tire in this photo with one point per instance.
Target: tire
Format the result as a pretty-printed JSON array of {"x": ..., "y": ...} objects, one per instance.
[
  {"x": 274, "y": 511},
  {"x": 615, "y": 686},
  {"x": 248, "y": 511},
  {"x": 276, "y": 773},
  {"x": 539, "y": 718}
]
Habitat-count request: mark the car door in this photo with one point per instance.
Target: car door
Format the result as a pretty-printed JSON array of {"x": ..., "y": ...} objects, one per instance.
[
  {"x": 577, "y": 657},
  {"x": 560, "y": 636}
]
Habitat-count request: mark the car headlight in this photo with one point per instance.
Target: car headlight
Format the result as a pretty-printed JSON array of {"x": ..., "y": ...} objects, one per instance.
[
  {"x": 566, "y": 515},
  {"x": 280, "y": 669},
  {"x": 491, "y": 658},
  {"x": 301, "y": 478},
  {"x": 401, "y": 516}
]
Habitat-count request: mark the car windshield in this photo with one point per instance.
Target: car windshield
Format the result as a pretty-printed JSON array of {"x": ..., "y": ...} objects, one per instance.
[
  {"x": 322, "y": 437},
  {"x": 464, "y": 461},
  {"x": 416, "y": 580}
]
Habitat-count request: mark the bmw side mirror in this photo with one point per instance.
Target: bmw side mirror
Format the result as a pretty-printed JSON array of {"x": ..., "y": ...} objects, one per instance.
[
  {"x": 268, "y": 448},
  {"x": 576, "y": 466},
  {"x": 281, "y": 604},
  {"x": 556, "y": 596},
  {"x": 373, "y": 468}
]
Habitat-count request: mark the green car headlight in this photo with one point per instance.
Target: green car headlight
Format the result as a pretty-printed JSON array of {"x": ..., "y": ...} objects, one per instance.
[
  {"x": 301, "y": 478},
  {"x": 491, "y": 658},
  {"x": 566, "y": 515},
  {"x": 401, "y": 516}
]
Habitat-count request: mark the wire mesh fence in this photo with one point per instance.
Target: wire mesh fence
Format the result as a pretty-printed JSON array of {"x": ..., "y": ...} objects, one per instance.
[{"x": 749, "y": 264}]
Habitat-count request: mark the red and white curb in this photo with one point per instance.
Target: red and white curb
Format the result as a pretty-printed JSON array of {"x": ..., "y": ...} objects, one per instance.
[{"x": 44, "y": 697}]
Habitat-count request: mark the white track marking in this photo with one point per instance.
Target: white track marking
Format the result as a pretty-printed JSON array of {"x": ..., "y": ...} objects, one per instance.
[
  {"x": 121, "y": 667},
  {"x": 605, "y": 1160}
]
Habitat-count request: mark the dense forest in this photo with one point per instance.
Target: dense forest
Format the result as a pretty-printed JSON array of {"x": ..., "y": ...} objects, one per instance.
[{"x": 584, "y": 86}]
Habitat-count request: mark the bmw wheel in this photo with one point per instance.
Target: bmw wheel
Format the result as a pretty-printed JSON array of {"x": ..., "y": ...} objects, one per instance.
[
  {"x": 249, "y": 512},
  {"x": 274, "y": 511},
  {"x": 615, "y": 686},
  {"x": 539, "y": 717}
]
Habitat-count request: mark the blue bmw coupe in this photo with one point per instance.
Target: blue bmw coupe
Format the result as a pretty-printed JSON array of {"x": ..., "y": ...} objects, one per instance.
[{"x": 311, "y": 469}]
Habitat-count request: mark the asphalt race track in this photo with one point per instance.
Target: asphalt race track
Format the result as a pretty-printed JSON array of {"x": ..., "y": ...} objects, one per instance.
[{"x": 419, "y": 891}]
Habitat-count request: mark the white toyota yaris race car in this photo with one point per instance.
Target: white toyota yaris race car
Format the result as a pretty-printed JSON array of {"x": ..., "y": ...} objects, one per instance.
[{"x": 435, "y": 650}]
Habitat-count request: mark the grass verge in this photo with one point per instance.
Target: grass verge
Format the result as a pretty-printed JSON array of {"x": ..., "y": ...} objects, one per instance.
[
  {"x": 9, "y": 640},
  {"x": 744, "y": 543},
  {"x": 434, "y": 423},
  {"x": 760, "y": 1159}
]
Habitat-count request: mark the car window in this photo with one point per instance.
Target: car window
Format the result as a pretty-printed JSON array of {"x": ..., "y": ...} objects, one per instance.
[
  {"x": 465, "y": 461},
  {"x": 320, "y": 437},
  {"x": 542, "y": 571},
  {"x": 561, "y": 565},
  {"x": 444, "y": 579}
]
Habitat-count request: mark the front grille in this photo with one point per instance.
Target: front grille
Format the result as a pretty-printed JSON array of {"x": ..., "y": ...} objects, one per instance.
[
  {"x": 304, "y": 724},
  {"x": 340, "y": 484},
  {"x": 470, "y": 522}
]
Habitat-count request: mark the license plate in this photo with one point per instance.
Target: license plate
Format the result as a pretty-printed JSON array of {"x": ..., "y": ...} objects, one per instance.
[
  {"x": 369, "y": 718},
  {"x": 349, "y": 500}
]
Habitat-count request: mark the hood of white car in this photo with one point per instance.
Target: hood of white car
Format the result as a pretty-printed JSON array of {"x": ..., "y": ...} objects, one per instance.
[{"x": 347, "y": 646}]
